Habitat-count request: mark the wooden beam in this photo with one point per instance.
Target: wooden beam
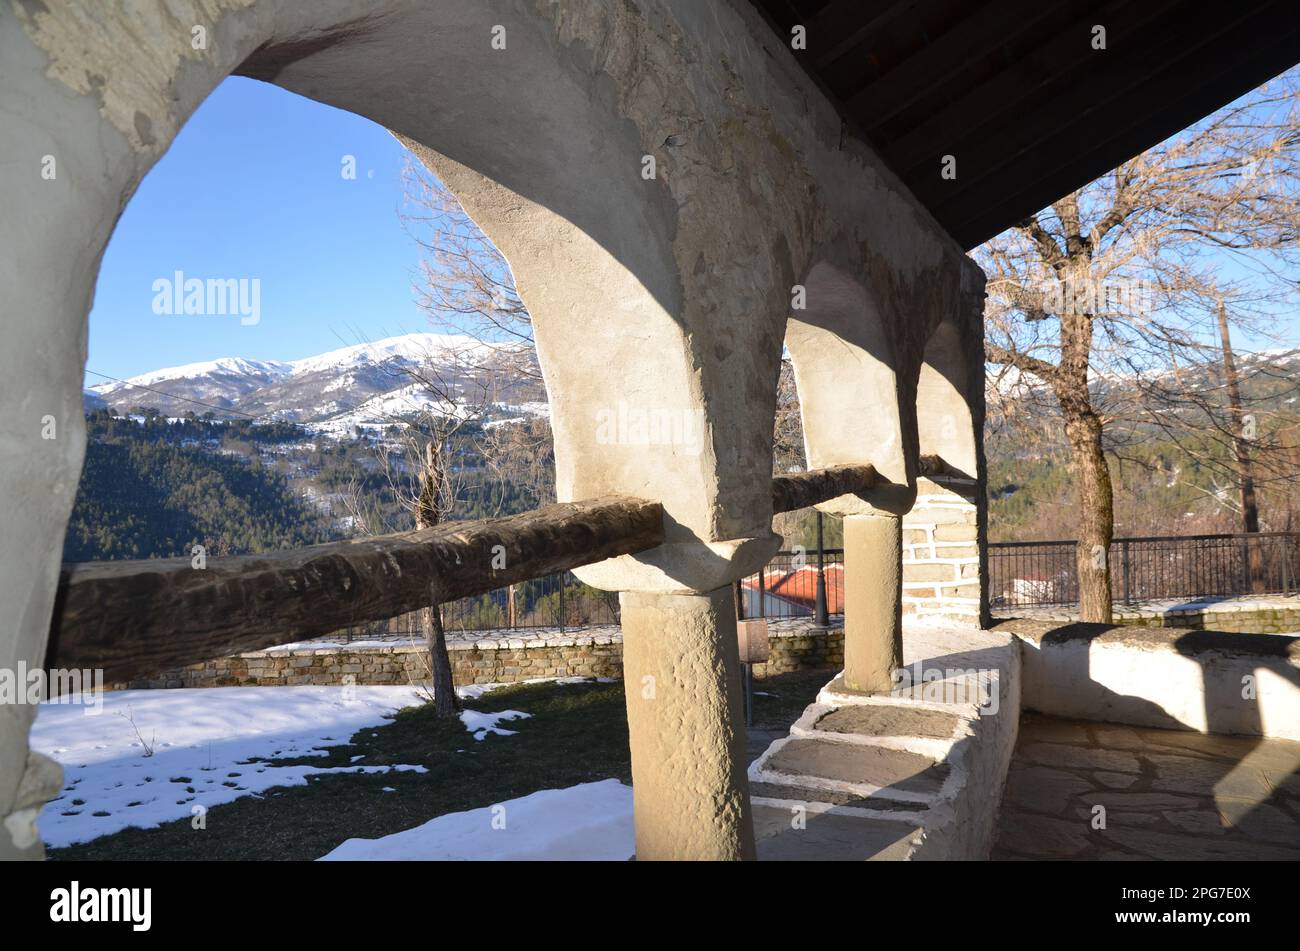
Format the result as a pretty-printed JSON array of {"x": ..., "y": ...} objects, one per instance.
[
  {"x": 1086, "y": 106},
  {"x": 843, "y": 25},
  {"x": 937, "y": 467},
  {"x": 937, "y": 62},
  {"x": 891, "y": 43},
  {"x": 802, "y": 489},
  {"x": 1007, "y": 92},
  {"x": 1161, "y": 109},
  {"x": 133, "y": 617}
]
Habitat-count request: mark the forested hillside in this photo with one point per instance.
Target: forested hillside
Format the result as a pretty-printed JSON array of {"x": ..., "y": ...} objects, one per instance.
[
  {"x": 1172, "y": 479},
  {"x": 149, "y": 490},
  {"x": 155, "y": 487}
]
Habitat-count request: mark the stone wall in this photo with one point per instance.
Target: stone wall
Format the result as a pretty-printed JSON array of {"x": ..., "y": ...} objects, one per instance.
[
  {"x": 797, "y": 644},
  {"x": 1245, "y": 615},
  {"x": 1168, "y": 678},
  {"x": 941, "y": 556},
  {"x": 496, "y": 657},
  {"x": 1235, "y": 619}
]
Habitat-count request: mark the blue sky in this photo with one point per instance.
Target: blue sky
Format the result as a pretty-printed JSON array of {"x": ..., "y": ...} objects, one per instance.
[
  {"x": 334, "y": 262},
  {"x": 333, "y": 259}
]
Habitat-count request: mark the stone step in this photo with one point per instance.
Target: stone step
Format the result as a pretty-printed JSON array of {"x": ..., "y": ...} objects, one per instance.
[
  {"x": 888, "y": 720},
  {"x": 795, "y": 792},
  {"x": 789, "y": 835},
  {"x": 857, "y": 767},
  {"x": 910, "y": 775}
]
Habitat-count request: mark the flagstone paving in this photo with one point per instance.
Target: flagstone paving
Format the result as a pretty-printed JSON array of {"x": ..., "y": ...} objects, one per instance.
[{"x": 1085, "y": 790}]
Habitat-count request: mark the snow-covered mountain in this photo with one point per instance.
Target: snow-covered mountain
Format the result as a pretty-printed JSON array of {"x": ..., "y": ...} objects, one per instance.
[{"x": 365, "y": 385}]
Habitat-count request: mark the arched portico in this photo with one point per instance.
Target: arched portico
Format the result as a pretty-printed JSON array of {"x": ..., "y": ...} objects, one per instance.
[
  {"x": 944, "y": 554},
  {"x": 654, "y": 231}
]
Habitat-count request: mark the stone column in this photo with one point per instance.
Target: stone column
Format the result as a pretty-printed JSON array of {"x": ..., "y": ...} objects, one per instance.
[
  {"x": 873, "y": 633},
  {"x": 681, "y": 671}
]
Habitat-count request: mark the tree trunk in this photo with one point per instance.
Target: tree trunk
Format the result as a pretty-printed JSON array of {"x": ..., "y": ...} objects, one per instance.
[
  {"x": 1096, "y": 515},
  {"x": 445, "y": 701},
  {"x": 428, "y": 513},
  {"x": 1241, "y": 447},
  {"x": 1096, "y": 507}
]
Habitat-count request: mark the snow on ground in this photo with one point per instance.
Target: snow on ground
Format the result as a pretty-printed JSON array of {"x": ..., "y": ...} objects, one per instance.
[
  {"x": 203, "y": 736},
  {"x": 589, "y": 822},
  {"x": 481, "y": 724}
]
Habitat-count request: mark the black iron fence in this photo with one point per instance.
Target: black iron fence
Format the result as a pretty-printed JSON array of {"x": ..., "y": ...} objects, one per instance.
[
  {"x": 787, "y": 586},
  {"x": 1156, "y": 568},
  {"x": 554, "y": 601}
]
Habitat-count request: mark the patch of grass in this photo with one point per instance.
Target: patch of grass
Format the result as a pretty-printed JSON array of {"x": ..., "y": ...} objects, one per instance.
[
  {"x": 779, "y": 700},
  {"x": 576, "y": 733}
]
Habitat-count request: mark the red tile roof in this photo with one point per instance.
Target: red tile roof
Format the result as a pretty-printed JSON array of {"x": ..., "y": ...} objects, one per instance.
[{"x": 800, "y": 586}]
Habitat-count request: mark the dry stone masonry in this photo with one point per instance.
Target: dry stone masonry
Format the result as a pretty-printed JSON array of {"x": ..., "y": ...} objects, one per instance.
[
  {"x": 941, "y": 550},
  {"x": 483, "y": 659}
]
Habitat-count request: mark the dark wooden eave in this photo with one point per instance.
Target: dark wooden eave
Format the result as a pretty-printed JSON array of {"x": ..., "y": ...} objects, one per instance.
[{"x": 1014, "y": 90}]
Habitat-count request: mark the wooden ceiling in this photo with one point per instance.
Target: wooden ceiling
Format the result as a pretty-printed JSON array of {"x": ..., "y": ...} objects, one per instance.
[{"x": 1015, "y": 91}]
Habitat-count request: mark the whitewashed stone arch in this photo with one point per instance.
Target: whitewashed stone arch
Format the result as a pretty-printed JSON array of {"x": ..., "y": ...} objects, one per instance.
[
  {"x": 945, "y": 558},
  {"x": 668, "y": 293},
  {"x": 943, "y": 410},
  {"x": 845, "y": 365}
]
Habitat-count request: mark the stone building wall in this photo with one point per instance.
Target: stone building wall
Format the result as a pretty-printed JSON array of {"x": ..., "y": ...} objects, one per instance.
[
  {"x": 941, "y": 555},
  {"x": 491, "y": 658}
]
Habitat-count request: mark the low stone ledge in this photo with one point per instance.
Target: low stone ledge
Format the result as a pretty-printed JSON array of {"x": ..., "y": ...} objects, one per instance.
[
  {"x": 1247, "y": 614},
  {"x": 1166, "y": 677}
]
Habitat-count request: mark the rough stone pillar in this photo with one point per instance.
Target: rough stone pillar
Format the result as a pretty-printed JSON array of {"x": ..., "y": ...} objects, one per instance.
[
  {"x": 873, "y": 632},
  {"x": 681, "y": 670}
]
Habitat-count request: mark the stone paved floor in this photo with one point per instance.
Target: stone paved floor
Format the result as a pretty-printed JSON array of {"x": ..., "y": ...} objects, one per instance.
[{"x": 1163, "y": 794}]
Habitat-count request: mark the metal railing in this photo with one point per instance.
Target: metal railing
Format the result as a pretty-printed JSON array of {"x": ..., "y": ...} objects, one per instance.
[
  {"x": 787, "y": 585},
  {"x": 1152, "y": 568}
]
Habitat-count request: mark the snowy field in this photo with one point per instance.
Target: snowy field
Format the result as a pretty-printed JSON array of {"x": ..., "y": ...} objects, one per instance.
[
  {"x": 203, "y": 736},
  {"x": 154, "y": 756},
  {"x": 589, "y": 822}
]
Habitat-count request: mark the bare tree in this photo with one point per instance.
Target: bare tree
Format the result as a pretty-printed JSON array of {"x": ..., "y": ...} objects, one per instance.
[
  {"x": 464, "y": 281},
  {"x": 449, "y": 392},
  {"x": 465, "y": 284},
  {"x": 444, "y": 397},
  {"x": 1122, "y": 277}
]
